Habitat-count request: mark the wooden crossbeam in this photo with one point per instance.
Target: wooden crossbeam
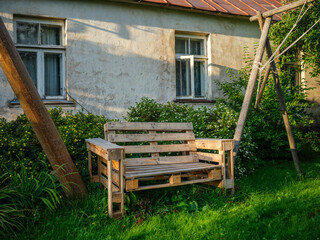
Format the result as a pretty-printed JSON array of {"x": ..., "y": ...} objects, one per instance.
[{"x": 281, "y": 9}]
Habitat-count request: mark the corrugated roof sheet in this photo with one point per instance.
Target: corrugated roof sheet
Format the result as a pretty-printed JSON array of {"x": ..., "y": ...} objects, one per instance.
[{"x": 246, "y": 8}]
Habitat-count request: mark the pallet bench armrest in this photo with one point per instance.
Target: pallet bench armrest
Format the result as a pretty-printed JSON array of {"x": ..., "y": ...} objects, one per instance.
[{"x": 214, "y": 144}]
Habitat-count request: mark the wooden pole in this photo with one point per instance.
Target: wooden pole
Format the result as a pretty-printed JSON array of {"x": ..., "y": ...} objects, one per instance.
[
  {"x": 251, "y": 85},
  {"x": 38, "y": 116},
  {"x": 280, "y": 9},
  {"x": 282, "y": 102}
]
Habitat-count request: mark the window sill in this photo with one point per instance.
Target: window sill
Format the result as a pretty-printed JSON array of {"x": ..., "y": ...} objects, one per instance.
[
  {"x": 57, "y": 103},
  {"x": 193, "y": 100}
]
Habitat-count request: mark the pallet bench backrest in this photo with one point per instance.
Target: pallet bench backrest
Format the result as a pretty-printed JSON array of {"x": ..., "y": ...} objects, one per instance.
[{"x": 159, "y": 141}]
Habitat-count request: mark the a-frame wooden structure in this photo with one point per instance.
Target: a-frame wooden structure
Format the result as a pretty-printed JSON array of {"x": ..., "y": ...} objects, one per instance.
[{"x": 265, "y": 20}]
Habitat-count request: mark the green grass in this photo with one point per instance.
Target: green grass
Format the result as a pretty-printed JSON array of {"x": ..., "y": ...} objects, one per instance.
[{"x": 274, "y": 203}]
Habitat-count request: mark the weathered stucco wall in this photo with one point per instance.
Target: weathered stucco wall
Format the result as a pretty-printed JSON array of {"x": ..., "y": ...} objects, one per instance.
[{"x": 117, "y": 52}]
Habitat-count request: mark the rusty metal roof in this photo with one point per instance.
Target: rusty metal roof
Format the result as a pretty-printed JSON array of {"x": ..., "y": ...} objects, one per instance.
[{"x": 234, "y": 7}]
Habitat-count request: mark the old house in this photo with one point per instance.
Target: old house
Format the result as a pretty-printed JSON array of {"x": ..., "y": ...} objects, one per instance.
[{"x": 105, "y": 55}]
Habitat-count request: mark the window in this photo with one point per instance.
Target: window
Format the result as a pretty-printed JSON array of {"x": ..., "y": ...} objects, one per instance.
[
  {"x": 191, "y": 70},
  {"x": 40, "y": 44}
]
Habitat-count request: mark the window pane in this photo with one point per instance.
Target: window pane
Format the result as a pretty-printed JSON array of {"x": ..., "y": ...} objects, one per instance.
[
  {"x": 27, "y": 33},
  {"x": 199, "y": 79},
  {"x": 197, "y": 47},
  {"x": 181, "y": 46},
  {"x": 50, "y": 35},
  {"x": 30, "y": 61},
  {"x": 52, "y": 74}
]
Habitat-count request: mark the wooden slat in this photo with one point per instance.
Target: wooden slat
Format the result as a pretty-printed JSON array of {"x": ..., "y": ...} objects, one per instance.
[
  {"x": 160, "y": 148},
  {"x": 104, "y": 182},
  {"x": 132, "y": 184},
  {"x": 212, "y": 157},
  {"x": 172, "y": 185},
  {"x": 151, "y": 137},
  {"x": 115, "y": 175},
  {"x": 146, "y": 126},
  {"x": 154, "y": 172},
  {"x": 159, "y": 160}
]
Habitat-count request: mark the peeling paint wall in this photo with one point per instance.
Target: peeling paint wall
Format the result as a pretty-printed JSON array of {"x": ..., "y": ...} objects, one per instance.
[{"x": 117, "y": 52}]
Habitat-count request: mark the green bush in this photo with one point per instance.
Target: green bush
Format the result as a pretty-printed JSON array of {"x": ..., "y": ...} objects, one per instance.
[
  {"x": 266, "y": 123},
  {"x": 18, "y": 142},
  {"x": 217, "y": 121}
]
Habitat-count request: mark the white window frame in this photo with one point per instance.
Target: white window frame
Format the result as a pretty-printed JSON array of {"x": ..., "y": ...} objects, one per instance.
[
  {"x": 40, "y": 50},
  {"x": 193, "y": 58}
]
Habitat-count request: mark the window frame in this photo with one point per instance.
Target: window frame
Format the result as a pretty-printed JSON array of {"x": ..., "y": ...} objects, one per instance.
[
  {"x": 41, "y": 49},
  {"x": 193, "y": 58}
]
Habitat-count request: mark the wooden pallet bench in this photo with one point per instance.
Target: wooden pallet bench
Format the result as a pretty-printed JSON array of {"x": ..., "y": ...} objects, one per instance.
[{"x": 134, "y": 153}]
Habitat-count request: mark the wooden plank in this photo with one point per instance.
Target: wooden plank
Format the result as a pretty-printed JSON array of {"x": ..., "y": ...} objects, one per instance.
[
  {"x": 213, "y": 144},
  {"x": 215, "y": 174},
  {"x": 160, "y": 148},
  {"x": 102, "y": 145},
  {"x": 137, "y": 174},
  {"x": 150, "y": 137},
  {"x": 281, "y": 9},
  {"x": 110, "y": 206},
  {"x": 146, "y": 126},
  {"x": 175, "y": 179},
  {"x": 166, "y": 166},
  {"x": 115, "y": 175},
  {"x": 132, "y": 184},
  {"x": 154, "y": 143},
  {"x": 116, "y": 197},
  {"x": 212, "y": 157},
  {"x": 172, "y": 185},
  {"x": 104, "y": 182},
  {"x": 38, "y": 116},
  {"x": 159, "y": 160}
]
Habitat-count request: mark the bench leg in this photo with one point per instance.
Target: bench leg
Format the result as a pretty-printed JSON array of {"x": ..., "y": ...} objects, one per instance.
[{"x": 110, "y": 202}]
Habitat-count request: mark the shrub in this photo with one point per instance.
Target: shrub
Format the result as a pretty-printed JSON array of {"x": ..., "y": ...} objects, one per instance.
[
  {"x": 217, "y": 121},
  {"x": 18, "y": 142}
]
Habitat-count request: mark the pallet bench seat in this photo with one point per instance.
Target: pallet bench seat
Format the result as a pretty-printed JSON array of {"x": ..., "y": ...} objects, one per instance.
[{"x": 134, "y": 153}]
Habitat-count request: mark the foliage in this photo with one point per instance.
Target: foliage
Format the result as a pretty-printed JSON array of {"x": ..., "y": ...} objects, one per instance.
[
  {"x": 217, "y": 121},
  {"x": 25, "y": 197},
  {"x": 266, "y": 124},
  {"x": 309, "y": 45},
  {"x": 18, "y": 142},
  {"x": 274, "y": 203}
]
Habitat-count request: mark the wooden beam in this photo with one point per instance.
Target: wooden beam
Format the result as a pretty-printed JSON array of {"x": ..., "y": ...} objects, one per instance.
[
  {"x": 281, "y": 9},
  {"x": 251, "y": 85},
  {"x": 38, "y": 116},
  {"x": 282, "y": 103}
]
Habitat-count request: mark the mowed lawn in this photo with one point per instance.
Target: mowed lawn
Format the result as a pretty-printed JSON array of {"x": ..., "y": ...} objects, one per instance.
[{"x": 274, "y": 203}]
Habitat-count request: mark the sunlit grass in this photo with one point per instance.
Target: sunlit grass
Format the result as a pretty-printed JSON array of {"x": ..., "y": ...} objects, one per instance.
[{"x": 274, "y": 203}]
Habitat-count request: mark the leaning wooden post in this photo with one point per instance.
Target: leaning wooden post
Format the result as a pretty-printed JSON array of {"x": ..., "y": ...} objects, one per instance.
[
  {"x": 282, "y": 102},
  {"x": 263, "y": 85},
  {"x": 251, "y": 85},
  {"x": 38, "y": 116}
]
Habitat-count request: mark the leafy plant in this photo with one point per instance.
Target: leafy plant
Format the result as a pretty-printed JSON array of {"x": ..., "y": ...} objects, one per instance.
[{"x": 265, "y": 124}]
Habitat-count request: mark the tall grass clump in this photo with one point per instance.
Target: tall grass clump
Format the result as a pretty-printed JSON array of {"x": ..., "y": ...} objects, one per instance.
[{"x": 25, "y": 197}]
